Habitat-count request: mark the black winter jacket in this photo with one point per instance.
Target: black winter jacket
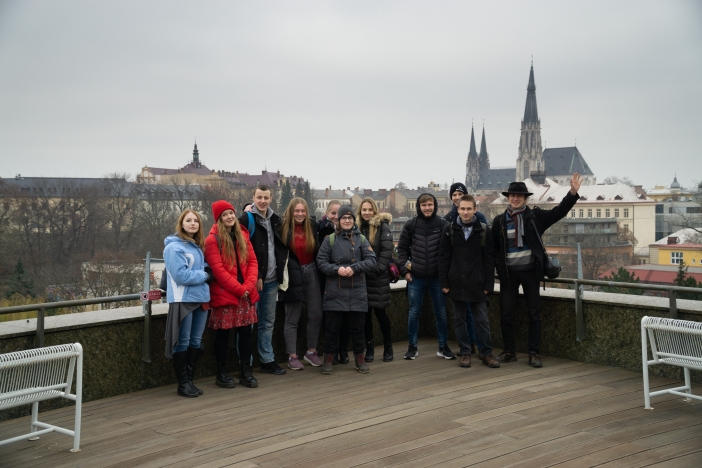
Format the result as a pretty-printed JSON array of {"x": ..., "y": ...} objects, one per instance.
[
  {"x": 419, "y": 244},
  {"x": 378, "y": 280},
  {"x": 544, "y": 219},
  {"x": 346, "y": 293},
  {"x": 259, "y": 241},
  {"x": 453, "y": 215},
  {"x": 296, "y": 289},
  {"x": 466, "y": 268},
  {"x": 324, "y": 228}
]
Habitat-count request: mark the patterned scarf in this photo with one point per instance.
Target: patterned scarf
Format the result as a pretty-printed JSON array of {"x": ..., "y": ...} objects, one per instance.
[{"x": 518, "y": 219}]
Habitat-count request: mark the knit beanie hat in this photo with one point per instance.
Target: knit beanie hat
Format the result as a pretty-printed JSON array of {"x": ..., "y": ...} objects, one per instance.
[
  {"x": 219, "y": 207},
  {"x": 457, "y": 187},
  {"x": 346, "y": 210}
]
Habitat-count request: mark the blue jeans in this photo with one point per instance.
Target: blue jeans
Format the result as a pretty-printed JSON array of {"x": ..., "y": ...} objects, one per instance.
[
  {"x": 266, "y": 319},
  {"x": 191, "y": 329},
  {"x": 415, "y": 290}
]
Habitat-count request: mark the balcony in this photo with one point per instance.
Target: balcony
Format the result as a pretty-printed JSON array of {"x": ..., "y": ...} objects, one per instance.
[{"x": 585, "y": 407}]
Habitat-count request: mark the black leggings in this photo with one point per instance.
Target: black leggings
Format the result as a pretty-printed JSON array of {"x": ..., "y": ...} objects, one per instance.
[
  {"x": 221, "y": 343},
  {"x": 384, "y": 322}
]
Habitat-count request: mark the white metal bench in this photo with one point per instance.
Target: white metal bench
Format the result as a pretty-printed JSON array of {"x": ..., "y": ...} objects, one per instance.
[
  {"x": 28, "y": 377},
  {"x": 674, "y": 342}
]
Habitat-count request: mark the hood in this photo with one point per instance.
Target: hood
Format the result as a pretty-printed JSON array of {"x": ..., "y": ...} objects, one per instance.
[
  {"x": 380, "y": 218},
  {"x": 269, "y": 213},
  {"x": 172, "y": 238},
  {"x": 419, "y": 211},
  {"x": 215, "y": 229}
]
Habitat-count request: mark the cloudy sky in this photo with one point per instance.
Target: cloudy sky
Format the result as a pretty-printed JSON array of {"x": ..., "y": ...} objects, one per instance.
[{"x": 347, "y": 93}]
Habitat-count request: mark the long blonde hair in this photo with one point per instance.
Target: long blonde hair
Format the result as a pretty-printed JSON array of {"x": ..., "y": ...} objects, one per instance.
[
  {"x": 199, "y": 237},
  {"x": 228, "y": 245},
  {"x": 372, "y": 230},
  {"x": 289, "y": 225}
]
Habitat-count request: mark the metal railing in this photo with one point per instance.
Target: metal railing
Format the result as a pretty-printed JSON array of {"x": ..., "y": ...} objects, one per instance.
[{"x": 146, "y": 338}]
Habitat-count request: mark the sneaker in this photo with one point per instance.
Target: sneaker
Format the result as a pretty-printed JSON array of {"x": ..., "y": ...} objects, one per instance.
[
  {"x": 295, "y": 364},
  {"x": 272, "y": 368},
  {"x": 507, "y": 356},
  {"x": 313, "y": 359},
  {"x": 411, "y": 352},
  {"x": 445, "y": 352},
  {"x": 490, "y": 361},
  {"x": 535, "y": 361},
  {"x": 327, "y": 366},
  {"x": 361, "y": 364},
  {"x": 464, "y": 361}
]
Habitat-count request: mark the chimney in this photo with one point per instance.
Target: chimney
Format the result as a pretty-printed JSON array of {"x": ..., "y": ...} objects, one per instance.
[
  {"x": 326, "y": 193},
  {"x": 382, "y": 191},
  {"x": 356, "y": 189},
  {"x": 367, "y": 191},
  {"x": 348, "y": 188}
]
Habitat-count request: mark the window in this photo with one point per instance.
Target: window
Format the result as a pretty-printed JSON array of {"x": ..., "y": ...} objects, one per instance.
[
  {"x": 626, "y": 227},
  {"x": 572, "y": 213},
  {"x": 580, "y": 229},
  {"x": 607, "y": 213},
  {"x": 626, "y": 212},
  {"x": 581, "y": 212},
  {"x": 599, "y": 213},
  {"x": 676, "y": 258},
  {"x": 616, "y": 212},
  {"x": 589, "y": 212}
]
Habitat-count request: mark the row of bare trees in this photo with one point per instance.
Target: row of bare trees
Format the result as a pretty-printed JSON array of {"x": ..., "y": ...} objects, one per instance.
[{"x": 88, "y": 237}]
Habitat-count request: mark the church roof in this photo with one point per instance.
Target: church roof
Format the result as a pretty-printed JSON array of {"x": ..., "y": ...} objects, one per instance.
[
  {"x": 495, "y": 179},
  {"x": 472, "y": 152},
  {"x": 560, "y": 161}
]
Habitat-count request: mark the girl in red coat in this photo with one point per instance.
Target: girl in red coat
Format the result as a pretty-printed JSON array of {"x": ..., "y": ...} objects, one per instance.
[{"x": 233, "y": 293}]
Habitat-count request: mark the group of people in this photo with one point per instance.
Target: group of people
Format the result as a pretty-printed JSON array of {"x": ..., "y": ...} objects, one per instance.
[{"x": 338, "y": 270}]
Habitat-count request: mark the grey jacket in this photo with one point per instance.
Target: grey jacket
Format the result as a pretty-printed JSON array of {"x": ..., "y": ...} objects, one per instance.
[{"x": 346, "y": 293}]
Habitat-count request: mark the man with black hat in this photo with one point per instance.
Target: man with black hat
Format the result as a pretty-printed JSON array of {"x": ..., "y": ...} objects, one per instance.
[{"x": 519, "y": 259}]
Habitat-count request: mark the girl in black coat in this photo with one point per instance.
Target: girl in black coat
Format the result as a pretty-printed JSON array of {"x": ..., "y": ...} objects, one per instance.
[{"x": 376, "y": 227}]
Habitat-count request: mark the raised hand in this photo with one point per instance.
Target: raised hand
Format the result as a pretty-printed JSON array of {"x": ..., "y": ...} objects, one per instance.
[{"x": 575, "y": 181}]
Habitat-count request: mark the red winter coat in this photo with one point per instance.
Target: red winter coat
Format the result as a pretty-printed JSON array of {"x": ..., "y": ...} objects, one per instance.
[{"x": 226, "y": 290}]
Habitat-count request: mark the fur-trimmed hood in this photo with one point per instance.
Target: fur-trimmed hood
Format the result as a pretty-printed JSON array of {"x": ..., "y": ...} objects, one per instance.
[{"x": 380, "y": 218}]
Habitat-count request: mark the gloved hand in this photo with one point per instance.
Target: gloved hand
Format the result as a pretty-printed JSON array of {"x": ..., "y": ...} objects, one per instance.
[{"x": 210, "y": 276}]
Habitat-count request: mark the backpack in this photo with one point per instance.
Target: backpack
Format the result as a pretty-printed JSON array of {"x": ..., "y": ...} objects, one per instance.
[
  {"x": 252, "y": 224},
  {"x": 333, "y": 235}
]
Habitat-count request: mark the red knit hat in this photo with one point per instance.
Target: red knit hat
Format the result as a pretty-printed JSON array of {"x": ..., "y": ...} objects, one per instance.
[{"x": 219, "y": 207}]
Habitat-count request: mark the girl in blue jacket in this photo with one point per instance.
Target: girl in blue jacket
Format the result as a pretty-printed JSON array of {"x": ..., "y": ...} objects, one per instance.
[{"x": 186, "y": 293}]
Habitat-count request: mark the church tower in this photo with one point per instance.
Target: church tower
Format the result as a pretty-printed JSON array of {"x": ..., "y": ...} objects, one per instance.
[
  {"x": 483, "y": 158},
  {"x": 472, "y": 165},
  {"x": 196, "y": 157},
  {"x": 530, "y": 157}
]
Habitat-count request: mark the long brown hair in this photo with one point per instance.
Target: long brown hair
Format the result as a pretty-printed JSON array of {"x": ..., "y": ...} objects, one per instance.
[
  {"x": 199, "y": 237},
  {"x": 228, "y": 244},
  {"x": 372, "y": 230},
  {"x": 289, "y": 225}
]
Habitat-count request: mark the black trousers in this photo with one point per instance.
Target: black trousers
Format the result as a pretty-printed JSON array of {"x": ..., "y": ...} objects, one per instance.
[
  {"x": 332, "y": 322},
  {"x": 384, "y": 322},
  {"x": 221, "y": 344},
  {"x": 508, "y": 301}
]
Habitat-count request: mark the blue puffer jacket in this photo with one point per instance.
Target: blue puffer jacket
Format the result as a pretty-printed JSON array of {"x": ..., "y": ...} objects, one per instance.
[{"x": 185, "y": 264}]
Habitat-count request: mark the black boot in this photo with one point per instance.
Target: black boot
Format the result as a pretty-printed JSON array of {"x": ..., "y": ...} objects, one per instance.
[
  {"x": 191, "y": 357},
  {"x": 370, "y": 351},
  {"x": 222, "y": 379},
  {"x": 185, "y": 386},
  {"x": 246, "y": 376},
  {"x": 387, "y": 351}
]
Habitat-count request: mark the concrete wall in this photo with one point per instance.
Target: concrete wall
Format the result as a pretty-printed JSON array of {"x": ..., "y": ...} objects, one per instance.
[{"x": 112, "y": 339}]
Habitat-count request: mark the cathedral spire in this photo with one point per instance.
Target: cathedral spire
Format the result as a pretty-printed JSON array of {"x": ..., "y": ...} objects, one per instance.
[
  {"x": 196, "y": 156},
  {"x": 472, "y": 151},
  {"x": 530, "y": 112},
  {"x": 483, "y": 158}
]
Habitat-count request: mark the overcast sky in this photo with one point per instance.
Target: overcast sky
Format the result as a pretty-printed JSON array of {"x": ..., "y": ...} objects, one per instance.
[{"x": 347, "y": 93}]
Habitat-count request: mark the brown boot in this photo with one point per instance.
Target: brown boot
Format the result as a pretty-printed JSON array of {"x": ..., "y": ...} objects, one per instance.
[
  {"x": 327, "y": 366},
  {"x": 490, "y": 361},
  {"x": 464, "y": 361},
  {"x": 361, "y": 365}
]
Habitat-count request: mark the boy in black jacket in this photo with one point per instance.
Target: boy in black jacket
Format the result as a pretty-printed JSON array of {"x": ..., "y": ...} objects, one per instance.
[{"x": 466, "y": 265}]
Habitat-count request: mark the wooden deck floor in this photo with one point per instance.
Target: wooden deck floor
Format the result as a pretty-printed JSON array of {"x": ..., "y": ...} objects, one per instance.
[{"x": 427, "y": 412}]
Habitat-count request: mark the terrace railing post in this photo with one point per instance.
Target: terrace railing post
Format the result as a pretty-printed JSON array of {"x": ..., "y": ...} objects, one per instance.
[
  {"x": 579, "y": 319},
  {"x": 40, "y": 328},
  {"x": 146, "y": 335},
  {"x": 673, "y": 304}
]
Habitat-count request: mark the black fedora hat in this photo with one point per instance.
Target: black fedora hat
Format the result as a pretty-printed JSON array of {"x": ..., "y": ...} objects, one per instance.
[{"x": 519, "y": 188}]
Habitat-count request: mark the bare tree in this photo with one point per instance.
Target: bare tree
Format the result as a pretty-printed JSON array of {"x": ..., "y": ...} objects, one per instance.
[{"x": 613, "y": 179}]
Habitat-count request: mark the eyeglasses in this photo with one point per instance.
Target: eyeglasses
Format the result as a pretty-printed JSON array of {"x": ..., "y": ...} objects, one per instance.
[{"x": 346, "y": 218}]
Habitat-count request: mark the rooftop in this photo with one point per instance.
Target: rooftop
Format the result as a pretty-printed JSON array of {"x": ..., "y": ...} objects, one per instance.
[{"x": 427, "y": 412}]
